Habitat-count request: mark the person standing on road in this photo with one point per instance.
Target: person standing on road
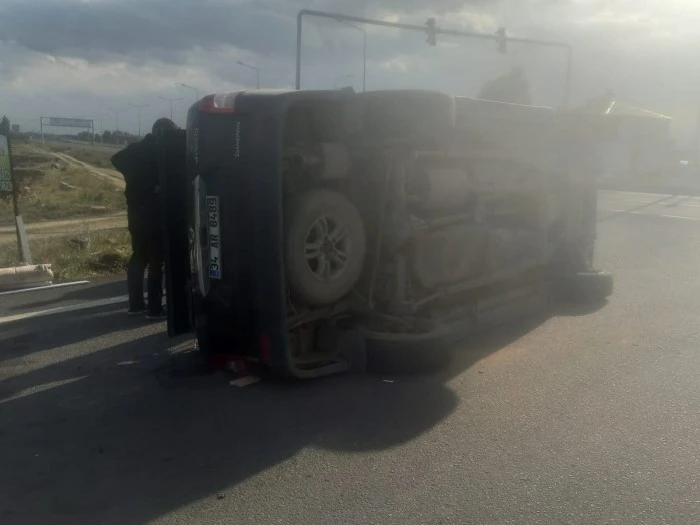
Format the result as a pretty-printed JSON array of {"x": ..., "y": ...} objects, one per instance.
[{"x": 138, "y": 164}]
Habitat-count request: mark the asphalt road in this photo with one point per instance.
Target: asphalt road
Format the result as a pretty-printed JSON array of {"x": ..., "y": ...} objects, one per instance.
[{"x": 579, "y": 417}]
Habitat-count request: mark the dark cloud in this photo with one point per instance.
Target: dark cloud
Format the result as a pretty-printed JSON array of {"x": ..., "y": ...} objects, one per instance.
[
  {"x": 165, "y": 29},
  {"x": 168, "y": 31},
  {"x": 158, "y": 29}
]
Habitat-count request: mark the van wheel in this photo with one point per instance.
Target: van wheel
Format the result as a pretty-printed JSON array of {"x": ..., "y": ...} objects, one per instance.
[{"x": 324, "y": 246}]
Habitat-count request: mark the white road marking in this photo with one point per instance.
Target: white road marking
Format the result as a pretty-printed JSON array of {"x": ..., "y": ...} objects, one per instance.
[
  {"x": 40, "y": 388},
  {"x": 636, "y": 201},
  {"x": 47, "y": 287},
  {"x": 655, "y": 198},
  {"x": 651, "y": 214},
  {"x": 679, "y": 217},
  {"x": 614, "y": 192},
  {"x": 64, "y": 309}
]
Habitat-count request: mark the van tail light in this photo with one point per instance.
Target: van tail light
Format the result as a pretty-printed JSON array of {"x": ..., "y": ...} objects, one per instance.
[
  {"x": 264, "y": 348},
  {"x": 219, "y": 103}
]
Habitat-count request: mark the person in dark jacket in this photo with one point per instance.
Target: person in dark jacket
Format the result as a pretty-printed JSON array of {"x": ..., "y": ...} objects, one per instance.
[{"x": 138, "y": 164}]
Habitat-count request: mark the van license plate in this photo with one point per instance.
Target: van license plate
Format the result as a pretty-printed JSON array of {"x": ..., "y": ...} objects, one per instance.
[{"x": 214, "y": 235}]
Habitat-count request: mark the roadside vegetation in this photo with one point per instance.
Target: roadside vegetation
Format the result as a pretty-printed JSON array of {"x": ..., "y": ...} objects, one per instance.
[
  {"x": 66, "y": 209},
  {"x": 53, "y": 189},
  {"x": 84, "y": 255}
]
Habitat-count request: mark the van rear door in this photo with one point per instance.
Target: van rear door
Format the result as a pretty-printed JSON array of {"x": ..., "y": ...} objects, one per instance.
[{"x": 174, "y": 188}]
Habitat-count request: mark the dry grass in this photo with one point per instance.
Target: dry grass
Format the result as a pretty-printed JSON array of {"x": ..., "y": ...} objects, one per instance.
[
  {"x": 94, "y": 157},
  {"x": 52, "y": 190},
  {"x": 77, "y": 256}
]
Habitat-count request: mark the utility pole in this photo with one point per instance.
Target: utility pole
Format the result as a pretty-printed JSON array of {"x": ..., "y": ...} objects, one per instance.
[
  {"x": 116, "y": 116},
  {"x": 139, "y": 107},
  {"x": 257, "y": 72},
  {"x": 7, "y": 177},
  {"x": 171, "y": 100},
  {"x": 364, "y": 50}
]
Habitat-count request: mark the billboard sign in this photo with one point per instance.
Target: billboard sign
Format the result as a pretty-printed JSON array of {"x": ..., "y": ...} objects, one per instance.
[
  {"x": 5, "y": 174},
  {"x": 70, "y": 122}
]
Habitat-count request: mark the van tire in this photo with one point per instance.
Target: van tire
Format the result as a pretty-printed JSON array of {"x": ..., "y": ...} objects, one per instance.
[
  {"x": 586, "y": 287},
  {"x": 325, "y": 246}
]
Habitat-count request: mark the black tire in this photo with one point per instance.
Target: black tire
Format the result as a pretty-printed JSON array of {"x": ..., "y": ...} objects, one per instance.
[
  {"x": 406, "y": 354},
  {"x": 586, "y": 287},
  {"x": 328, "y": 219}
]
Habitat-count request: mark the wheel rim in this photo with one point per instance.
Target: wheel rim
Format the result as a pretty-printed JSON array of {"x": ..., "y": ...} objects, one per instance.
[{"x": 326, "y": 248}]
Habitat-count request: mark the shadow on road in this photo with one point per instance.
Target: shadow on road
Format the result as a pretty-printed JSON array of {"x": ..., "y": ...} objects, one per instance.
[
  {"x": 130, "y": 432},
  {"x": 578, "y": 309},
  {"x": 18, "y": 341}
]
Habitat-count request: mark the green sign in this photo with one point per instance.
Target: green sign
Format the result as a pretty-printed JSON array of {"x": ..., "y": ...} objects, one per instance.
[{"x": 5, "y": 177}]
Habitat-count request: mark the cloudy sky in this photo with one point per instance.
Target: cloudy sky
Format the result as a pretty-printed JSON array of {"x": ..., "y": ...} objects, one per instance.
[{"x": 88, "y": 58}]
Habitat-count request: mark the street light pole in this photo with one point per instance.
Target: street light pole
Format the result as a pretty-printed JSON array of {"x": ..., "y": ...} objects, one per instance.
[
  {"x": 116, "y": 116},
  {"x": 171, "y": 100},
  {"x": 257, "y": 72},
  {"x": 196, "y": 91},
  {"x": 364, "y": 60},
  {"x": 139, "y": 107}
]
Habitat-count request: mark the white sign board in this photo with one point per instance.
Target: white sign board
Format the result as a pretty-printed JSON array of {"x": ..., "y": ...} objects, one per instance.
[{"x": 70, "y": 122}]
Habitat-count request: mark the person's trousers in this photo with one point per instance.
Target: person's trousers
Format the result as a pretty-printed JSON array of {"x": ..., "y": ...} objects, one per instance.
[{"x": 147, "y": 252}]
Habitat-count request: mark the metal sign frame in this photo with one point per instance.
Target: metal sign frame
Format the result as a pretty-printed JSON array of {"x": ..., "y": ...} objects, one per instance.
[{"x": 432, "y": 30}]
